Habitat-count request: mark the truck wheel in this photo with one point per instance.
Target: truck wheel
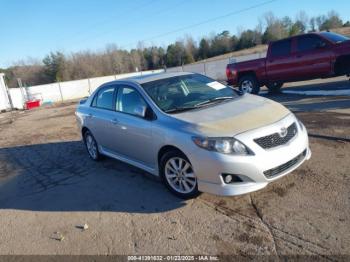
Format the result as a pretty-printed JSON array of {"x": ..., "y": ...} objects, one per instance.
[
  {"x": 274, "y": 88},
  {"x": 249, "y": 84}
]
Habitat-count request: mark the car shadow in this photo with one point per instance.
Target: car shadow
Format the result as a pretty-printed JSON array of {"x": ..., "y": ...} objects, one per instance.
[{"x": 61, "y": 177}]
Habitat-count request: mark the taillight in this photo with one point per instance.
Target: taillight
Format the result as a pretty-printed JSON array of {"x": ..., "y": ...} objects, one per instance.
[{"x": 228, "y": 73}]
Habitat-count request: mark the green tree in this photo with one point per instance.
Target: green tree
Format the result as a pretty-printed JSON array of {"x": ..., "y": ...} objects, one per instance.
[
  {"x": 204, "y": 49},
  {"x": 313, "y": 24},
  {"x": 249, "y": 38},
  {"x": 222, "y": 43},
  {"x": 275, "y": 29},
  {"x": 297, "y": 28},
  {"x": 175, "y": 54},
  {"x": 54, "y": 66},
  {"x": 332, "y": 21}
]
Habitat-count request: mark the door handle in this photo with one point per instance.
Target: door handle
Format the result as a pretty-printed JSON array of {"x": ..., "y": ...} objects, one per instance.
[
  {"x": 114, "y": 121},
  {"x": 90, "y": 115}
]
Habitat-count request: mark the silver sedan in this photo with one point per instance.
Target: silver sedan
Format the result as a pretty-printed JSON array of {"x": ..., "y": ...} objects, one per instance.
[{"x": 197, "y": 134}]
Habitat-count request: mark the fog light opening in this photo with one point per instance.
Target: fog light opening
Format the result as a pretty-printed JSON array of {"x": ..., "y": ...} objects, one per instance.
[{"x": 230, "y": 178}]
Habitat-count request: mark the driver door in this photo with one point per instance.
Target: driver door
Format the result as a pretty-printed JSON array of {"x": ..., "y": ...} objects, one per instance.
[{"x": 133, "y": 137}]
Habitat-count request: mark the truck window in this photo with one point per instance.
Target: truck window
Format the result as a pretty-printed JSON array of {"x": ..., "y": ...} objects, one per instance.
[
  {"x": 281, "y": 48},
  {"x": 309, "y": 42}
]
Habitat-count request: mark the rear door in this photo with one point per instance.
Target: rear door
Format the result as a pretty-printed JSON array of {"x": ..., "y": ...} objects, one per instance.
[
  {"x": 314, "y": 57},
  {"x": 102, "y": 113},
  {"x": 280, "y": 62}
]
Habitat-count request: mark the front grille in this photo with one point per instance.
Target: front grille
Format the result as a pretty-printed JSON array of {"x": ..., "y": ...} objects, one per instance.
[
  {"x": 280, "y": 169},
  {"x": 277, "y": 139}
]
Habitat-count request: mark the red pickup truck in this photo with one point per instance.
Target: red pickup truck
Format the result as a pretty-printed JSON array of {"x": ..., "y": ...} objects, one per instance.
[{"x": 298, "y": 58}]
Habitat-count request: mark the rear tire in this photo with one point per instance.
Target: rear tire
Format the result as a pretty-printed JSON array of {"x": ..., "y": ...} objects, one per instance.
[
  {"x": 274, "y": 88},
  {"x": 91, "y": 146},
  {"x": 177, "y": 175},
  {"x": 249, "y": 84}
]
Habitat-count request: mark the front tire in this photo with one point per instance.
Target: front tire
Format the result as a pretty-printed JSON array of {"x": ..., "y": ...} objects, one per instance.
[
  {"x": 178, "y": 176},
  {"x": 274, "y": 88},
  {"x": 91, "y": 146},
  {"x": 249, "y": 84}
]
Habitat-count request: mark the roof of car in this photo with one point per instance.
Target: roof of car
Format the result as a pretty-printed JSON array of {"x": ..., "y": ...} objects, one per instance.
[{"x": 152, "y": 77}]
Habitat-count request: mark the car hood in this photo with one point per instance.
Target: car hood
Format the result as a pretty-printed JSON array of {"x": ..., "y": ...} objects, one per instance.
[{"x": 245, "y": 113}]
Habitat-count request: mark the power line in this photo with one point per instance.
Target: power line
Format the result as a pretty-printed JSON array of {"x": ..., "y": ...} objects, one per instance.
[
  {"x": 205, "y": 21},
  {"x": 162, "y": 11}
]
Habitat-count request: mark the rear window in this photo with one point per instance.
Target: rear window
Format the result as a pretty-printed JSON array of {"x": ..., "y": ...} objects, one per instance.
[
  {"x": 335, "y": 38},
  {"x": 104, "y": 99},
  {"x": 281, "y": 48},
  {"x": 309, "y": 42}
]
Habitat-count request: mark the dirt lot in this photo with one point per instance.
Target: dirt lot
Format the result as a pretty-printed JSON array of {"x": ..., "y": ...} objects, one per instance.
[{"x": 48, "y": 184}]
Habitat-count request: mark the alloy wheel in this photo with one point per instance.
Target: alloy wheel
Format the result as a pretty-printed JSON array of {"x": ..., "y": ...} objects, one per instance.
[
  {"x": 247, "y": 86},
  {"x": 91, "y": 146},
  {"x": 180, "y": 175}
]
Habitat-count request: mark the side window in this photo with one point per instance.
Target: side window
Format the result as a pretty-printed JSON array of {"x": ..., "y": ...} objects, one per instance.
[
  {"x": 309, "y": 42},
  {"x": 104, "y": 98},
  {"x": 281, "y": 48},
  {"x": 130, "y": 100}
]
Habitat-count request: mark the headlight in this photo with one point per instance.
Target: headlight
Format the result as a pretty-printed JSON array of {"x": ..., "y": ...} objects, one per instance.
[{"x": 222, "y": 145}]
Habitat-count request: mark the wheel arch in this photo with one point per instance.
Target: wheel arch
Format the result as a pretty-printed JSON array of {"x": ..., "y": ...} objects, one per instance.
[
  {"x": 84, "y": 129},
  {"x": 342, "y": 65},
  {"x": 166, "y": 148},
  {"x": 245, "y": 73}
]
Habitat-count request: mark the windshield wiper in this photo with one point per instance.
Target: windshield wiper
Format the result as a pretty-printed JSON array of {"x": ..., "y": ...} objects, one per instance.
[
  {"x": 180, "y": 109},
  {"x": 213, "y": 100},
  {"x": 196, "y": 106}
]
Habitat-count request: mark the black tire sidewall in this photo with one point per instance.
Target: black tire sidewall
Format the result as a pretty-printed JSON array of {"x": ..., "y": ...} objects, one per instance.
[
  {"x": 170, "y": 154},
  {"x": 253, "y": 80},
  {"x": 274, "y": 88},
  {"x": 98, "y": 155}
]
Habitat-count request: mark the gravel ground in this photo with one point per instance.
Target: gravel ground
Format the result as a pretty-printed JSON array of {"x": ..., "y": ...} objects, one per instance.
[{"x": 49, "y": 188}]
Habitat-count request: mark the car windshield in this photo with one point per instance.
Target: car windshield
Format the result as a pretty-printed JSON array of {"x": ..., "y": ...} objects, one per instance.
[
  {"x": 335, "y": 38},
  {"x": 187, "y": 92}
]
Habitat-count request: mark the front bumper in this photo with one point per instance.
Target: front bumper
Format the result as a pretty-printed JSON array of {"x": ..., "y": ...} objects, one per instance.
[{"x": 209, "y": 166}]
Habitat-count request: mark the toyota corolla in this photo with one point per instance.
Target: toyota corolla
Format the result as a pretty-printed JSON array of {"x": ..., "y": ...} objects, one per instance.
[{"x": 197, "y": 134}]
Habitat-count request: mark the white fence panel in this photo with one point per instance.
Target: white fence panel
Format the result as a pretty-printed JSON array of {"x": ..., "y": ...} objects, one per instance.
[
  {"x": 174, "y": 69},
  {"x": 217, "y": 69},
  {"x": 149, "y": 72},
  {"x": 195, "y": 68},
  {"x": 16, "y": 98},
  {"x": 97, "y": 81},
  {"x": 75, "y": 89},
  {"x": 46, "y": 93}
]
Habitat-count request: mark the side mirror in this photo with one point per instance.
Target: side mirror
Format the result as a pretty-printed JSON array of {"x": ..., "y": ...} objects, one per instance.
[
  {"x": 140, "y": 111},
  {"x": 321, "y": 44}
]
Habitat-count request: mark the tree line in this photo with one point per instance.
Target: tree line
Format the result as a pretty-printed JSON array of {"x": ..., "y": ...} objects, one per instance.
[{"x": 58, "y": 66}]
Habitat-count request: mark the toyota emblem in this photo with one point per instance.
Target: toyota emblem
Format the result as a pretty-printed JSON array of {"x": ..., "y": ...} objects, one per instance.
[{"x": 283, "y": 132}]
